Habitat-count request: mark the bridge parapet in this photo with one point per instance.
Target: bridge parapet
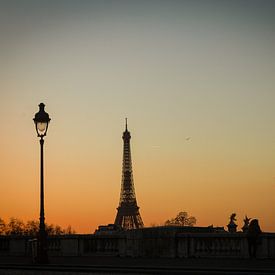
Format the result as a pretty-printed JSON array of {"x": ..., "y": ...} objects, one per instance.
[{"x": 166, "y": 243}]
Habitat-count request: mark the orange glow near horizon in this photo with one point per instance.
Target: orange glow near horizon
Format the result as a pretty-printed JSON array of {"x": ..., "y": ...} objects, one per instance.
[{"x": 81, "y": 193}]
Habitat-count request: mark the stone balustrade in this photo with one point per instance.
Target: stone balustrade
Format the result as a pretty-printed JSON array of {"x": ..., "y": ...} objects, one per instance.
[
  {"x": 223, "y": 245},
  {"x": 147, "y": 242}
]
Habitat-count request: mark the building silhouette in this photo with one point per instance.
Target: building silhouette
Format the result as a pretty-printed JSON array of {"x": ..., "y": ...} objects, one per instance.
[{"x": 128, "y": 216}]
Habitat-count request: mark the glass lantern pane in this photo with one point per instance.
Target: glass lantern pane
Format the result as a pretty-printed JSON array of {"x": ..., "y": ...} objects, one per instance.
[{"x": 41, "y": 127}]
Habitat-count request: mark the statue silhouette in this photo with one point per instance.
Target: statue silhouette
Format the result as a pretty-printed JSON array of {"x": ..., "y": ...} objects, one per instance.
[{"x": 253, "y": 234}]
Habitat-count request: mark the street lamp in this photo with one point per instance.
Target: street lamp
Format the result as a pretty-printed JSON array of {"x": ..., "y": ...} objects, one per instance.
[{"x": 41, "y": 120}]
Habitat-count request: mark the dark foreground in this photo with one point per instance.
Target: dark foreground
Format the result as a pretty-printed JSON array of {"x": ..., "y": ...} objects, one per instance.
[{"x": 116, "y": 265}]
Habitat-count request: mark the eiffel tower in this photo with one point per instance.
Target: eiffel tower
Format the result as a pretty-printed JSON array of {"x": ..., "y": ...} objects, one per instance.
[{"x": 128, "y": 216}]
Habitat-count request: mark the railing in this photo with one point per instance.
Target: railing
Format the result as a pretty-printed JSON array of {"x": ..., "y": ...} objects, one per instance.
[
  {"x": 222, "y": 245},
  {"x": 54, "y": 246},
  {"x": 14, "y": 245},
  {"x": 144, "y": 243},
  {"x": 4, "y": 245},
  {"x": 100, "y": 245},
  {"x": 212, "y": 245}
]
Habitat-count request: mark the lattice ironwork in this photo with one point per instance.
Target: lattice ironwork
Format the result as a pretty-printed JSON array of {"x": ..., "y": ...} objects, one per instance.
[{"x": 128, "y": 216}]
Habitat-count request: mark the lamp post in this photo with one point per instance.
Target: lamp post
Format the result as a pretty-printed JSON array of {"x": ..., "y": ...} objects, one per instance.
[{"x": 41, "y": 120}]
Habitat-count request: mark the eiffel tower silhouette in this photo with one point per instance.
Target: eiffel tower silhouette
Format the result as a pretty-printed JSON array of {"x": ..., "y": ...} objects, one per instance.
[{"x": 128, "y": 216}]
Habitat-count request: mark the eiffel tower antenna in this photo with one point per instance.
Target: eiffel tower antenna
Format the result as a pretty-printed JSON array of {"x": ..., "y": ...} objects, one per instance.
[{"x": 128, "y": 216}]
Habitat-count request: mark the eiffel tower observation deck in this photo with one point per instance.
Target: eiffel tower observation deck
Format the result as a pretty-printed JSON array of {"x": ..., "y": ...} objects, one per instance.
[{"x": 128, "y": 216}]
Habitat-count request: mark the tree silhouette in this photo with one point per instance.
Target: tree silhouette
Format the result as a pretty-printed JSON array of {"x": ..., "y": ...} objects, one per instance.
[
  {"x": 2, "y": 227},
  {"x": 15, "y": 227},
  {"x": 182, "y": 219},
  {"x": 31, "y": 228}
]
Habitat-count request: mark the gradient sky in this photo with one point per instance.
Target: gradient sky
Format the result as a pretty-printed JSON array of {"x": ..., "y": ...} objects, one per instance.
[{"x": 194, "y": 78}]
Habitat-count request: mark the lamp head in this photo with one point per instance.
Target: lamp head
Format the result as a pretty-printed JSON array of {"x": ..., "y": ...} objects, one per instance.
[{"x": 41, "y": 120}]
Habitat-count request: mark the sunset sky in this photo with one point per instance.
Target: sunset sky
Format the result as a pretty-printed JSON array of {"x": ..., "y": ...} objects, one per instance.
[{"x": 196, "y": 81}]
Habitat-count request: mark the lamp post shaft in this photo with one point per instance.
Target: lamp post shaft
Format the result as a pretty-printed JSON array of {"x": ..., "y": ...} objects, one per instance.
[
  {"x": 42, "y": 238},
  {"x": 42, "y": 214}
]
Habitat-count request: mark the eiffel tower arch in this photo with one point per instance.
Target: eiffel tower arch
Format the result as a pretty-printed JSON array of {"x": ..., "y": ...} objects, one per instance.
[{"x": 128, "y": 216}]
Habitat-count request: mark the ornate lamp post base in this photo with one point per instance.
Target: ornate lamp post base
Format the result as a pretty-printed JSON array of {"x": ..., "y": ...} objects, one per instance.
[{"x": 42, "y": 255}]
